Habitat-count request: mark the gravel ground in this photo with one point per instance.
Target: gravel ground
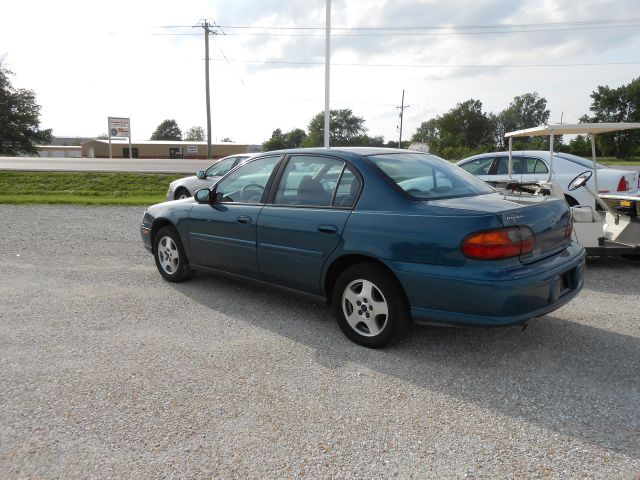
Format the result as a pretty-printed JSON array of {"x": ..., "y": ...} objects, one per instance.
[{"x": 106, "y": 370}]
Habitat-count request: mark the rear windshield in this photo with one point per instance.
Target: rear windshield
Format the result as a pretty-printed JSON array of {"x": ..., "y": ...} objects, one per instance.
[
  {"x": 427, "y": 177},
  {"x": 583, "y": 162}
]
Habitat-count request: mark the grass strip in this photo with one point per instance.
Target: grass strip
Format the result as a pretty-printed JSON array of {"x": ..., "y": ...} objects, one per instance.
[{"x": 83, "y": 188}]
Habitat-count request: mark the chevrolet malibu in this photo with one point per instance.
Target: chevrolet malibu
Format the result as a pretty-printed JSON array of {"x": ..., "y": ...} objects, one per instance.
[{"x": 384, "y": 236}]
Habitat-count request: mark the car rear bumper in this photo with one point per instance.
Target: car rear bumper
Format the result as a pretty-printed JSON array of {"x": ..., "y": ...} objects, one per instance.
[{"x": 475, "y": 295}]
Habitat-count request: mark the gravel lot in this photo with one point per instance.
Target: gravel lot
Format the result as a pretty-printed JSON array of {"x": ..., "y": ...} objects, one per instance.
[{"x": 106, "y": 370}]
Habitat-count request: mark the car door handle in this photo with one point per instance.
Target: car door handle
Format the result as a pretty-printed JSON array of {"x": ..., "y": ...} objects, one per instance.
[
  {"x": 244, "y": 219},
  {"x": 327, "y": 229}
]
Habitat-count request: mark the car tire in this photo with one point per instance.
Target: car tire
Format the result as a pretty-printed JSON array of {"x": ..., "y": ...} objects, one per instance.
[
  {"x": 182, "y": 193},
  {"x": 169, "y": 255},
  {"x": 370, "y": 305}
]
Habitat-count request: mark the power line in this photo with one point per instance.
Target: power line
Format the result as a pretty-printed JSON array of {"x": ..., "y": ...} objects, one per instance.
[
  {"x": 423, "y": 27},
  {"x": 533, "y": 65},
  {"x": 411, "y": 34}
]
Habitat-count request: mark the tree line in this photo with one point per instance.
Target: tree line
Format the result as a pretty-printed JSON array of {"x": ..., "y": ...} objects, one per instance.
[{"x": 467, "y": 129}]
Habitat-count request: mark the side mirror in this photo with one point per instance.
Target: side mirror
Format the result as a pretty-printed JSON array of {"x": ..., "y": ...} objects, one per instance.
[
  {"x": 201, "y": 175},
  {"x": 203, "y": 195}
]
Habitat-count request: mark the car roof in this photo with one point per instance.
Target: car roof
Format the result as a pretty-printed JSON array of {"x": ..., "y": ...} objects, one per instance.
[{"x": 364, "y": 151}]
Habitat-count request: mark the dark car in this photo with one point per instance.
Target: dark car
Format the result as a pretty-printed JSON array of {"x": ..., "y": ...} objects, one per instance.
[{"x": 382, "y": 235}]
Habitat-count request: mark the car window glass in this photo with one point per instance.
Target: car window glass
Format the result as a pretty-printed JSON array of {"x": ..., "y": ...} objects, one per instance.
[
  {"x": 502, "y": 167},
  {"x": 478, "y": 166},
  {"x": 308, "y": 180},
  {"x": 247, "y": 183},
  {"x": 348, "y": 189},
  {"x": 427, "y": 177},
  {"x": 519, "y": 165},
  {"x": 221, "y": 168},
  {"x": 535, "y": 165}
]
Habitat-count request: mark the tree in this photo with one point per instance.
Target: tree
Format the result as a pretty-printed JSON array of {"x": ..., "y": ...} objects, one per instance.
[
  {"x": 525, "y": 111},
  {"x": 279, "y": 140},
  {"x": 226, "y": 139},
  {"x": 276, "y": 142},
  {"x": 195, "y": 134},
  {"x": 345, "y": 129},
  {"x": 620, "y": 104},
  {"x": 295, "y": 138},
  {"x": 581, "y": 146},
  {"x": 167, "y": 130},
  {"x": 463, "y": 130},
  {"x": 19, "y": 119}
]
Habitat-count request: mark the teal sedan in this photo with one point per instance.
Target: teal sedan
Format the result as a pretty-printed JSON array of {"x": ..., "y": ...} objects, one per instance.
[{"x": 384, "y": 236}]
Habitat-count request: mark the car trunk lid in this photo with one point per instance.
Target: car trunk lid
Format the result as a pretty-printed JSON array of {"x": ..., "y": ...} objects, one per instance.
[{"x": 548, "y": 218}]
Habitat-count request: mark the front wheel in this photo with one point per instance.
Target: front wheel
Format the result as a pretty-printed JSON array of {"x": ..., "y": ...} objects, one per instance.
[
  {"x": 169, "y": 255},
  {"x": 182, "y": 193},
  {"x": 370, "y": 305}
]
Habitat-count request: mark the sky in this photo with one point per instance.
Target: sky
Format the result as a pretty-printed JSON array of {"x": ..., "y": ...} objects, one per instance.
[{"x": 144, "y": 59}]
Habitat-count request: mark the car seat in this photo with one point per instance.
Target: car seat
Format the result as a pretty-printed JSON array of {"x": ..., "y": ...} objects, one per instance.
[{"x": 310, "y": 192}]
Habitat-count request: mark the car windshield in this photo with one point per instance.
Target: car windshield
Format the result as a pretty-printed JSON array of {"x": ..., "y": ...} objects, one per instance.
[
  {"x": 427, "y": 177},
  {"x": 583, "y": 162}
]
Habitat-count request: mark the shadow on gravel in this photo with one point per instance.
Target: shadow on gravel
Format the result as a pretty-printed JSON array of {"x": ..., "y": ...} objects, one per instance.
[{"x": 563, "y": 376}]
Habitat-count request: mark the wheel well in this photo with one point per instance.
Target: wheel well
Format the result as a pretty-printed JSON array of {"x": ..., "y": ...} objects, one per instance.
[
  {"x": 571, "y": 201},
  {"x": 342, "y": 263},
  {"x": 178, "y": 190},
  {"x": 157, "y": 225}
]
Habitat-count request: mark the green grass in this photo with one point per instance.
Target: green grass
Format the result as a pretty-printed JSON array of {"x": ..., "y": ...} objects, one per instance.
[
  {"x": 617, "y": 161},
  {"x": 84, "y": 188}
]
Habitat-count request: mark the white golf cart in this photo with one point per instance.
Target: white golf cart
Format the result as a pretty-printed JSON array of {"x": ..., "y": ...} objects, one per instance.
[{"x": 611, "y": 229}]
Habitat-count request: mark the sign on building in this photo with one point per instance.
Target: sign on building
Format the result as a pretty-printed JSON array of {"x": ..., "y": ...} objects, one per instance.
[
  {"x": 119, "y": 127},
  {"x": 192, "y": 149}
]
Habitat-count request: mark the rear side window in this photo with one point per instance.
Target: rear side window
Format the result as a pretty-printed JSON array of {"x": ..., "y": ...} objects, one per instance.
[
  {"x": 428, "y": 177},
  {"x": 348, "y": 189},
  {"x": 535, "y": 165}
]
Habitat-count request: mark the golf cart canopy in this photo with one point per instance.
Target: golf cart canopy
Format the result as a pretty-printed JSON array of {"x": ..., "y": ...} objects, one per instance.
[{"x": 572, "y": 129}]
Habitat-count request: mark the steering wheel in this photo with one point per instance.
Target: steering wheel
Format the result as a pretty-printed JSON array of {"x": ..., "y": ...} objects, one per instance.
[
  {"x": 250, "y": 189},
  {"x": 577, "y": 182}
]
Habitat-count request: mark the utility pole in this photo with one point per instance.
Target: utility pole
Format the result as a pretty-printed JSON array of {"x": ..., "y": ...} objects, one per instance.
[
  {"x": 206, "y": 26},
  {"x": 401, "y": 107},
  {"x": 327, "y": 74}
]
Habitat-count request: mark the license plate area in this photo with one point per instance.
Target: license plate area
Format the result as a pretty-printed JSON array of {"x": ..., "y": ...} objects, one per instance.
[{"x": 562, "y": 285}]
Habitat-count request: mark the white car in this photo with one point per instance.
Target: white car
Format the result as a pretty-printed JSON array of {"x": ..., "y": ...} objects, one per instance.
[
  {"x": 187, "y": 186},
  {"x": 533, "y": 165}
]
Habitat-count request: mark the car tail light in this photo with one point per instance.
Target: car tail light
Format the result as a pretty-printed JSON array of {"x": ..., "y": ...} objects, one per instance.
[
  {"x": 623, "y": 185},
  {"x": 499, "y": 244}
]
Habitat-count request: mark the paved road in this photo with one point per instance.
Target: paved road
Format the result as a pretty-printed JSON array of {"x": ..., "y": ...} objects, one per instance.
[
  {"x": 122, "y": 165},
  {"x": 106, "y": 370},
  {"x": 144, "y": 165}
]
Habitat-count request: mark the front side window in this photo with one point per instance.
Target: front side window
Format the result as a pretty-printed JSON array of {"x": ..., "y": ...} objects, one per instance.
[
  {"x": 248, "y": 182},
  {"x": 427, "y": 177},
  {"x": 221, "y": 168},
  {"x": 309, "y": 180},
  {"x": 478, "y": 166}
]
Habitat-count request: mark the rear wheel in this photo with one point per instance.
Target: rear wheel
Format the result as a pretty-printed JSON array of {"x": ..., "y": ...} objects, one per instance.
[
  {"x": 182, "y": 193},
  {"x": 370, "y": 305},
  {"x": 169, "y": 255}
]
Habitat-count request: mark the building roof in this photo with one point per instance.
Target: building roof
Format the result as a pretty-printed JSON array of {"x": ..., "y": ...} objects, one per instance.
[{"x": 159, "y": 142}]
